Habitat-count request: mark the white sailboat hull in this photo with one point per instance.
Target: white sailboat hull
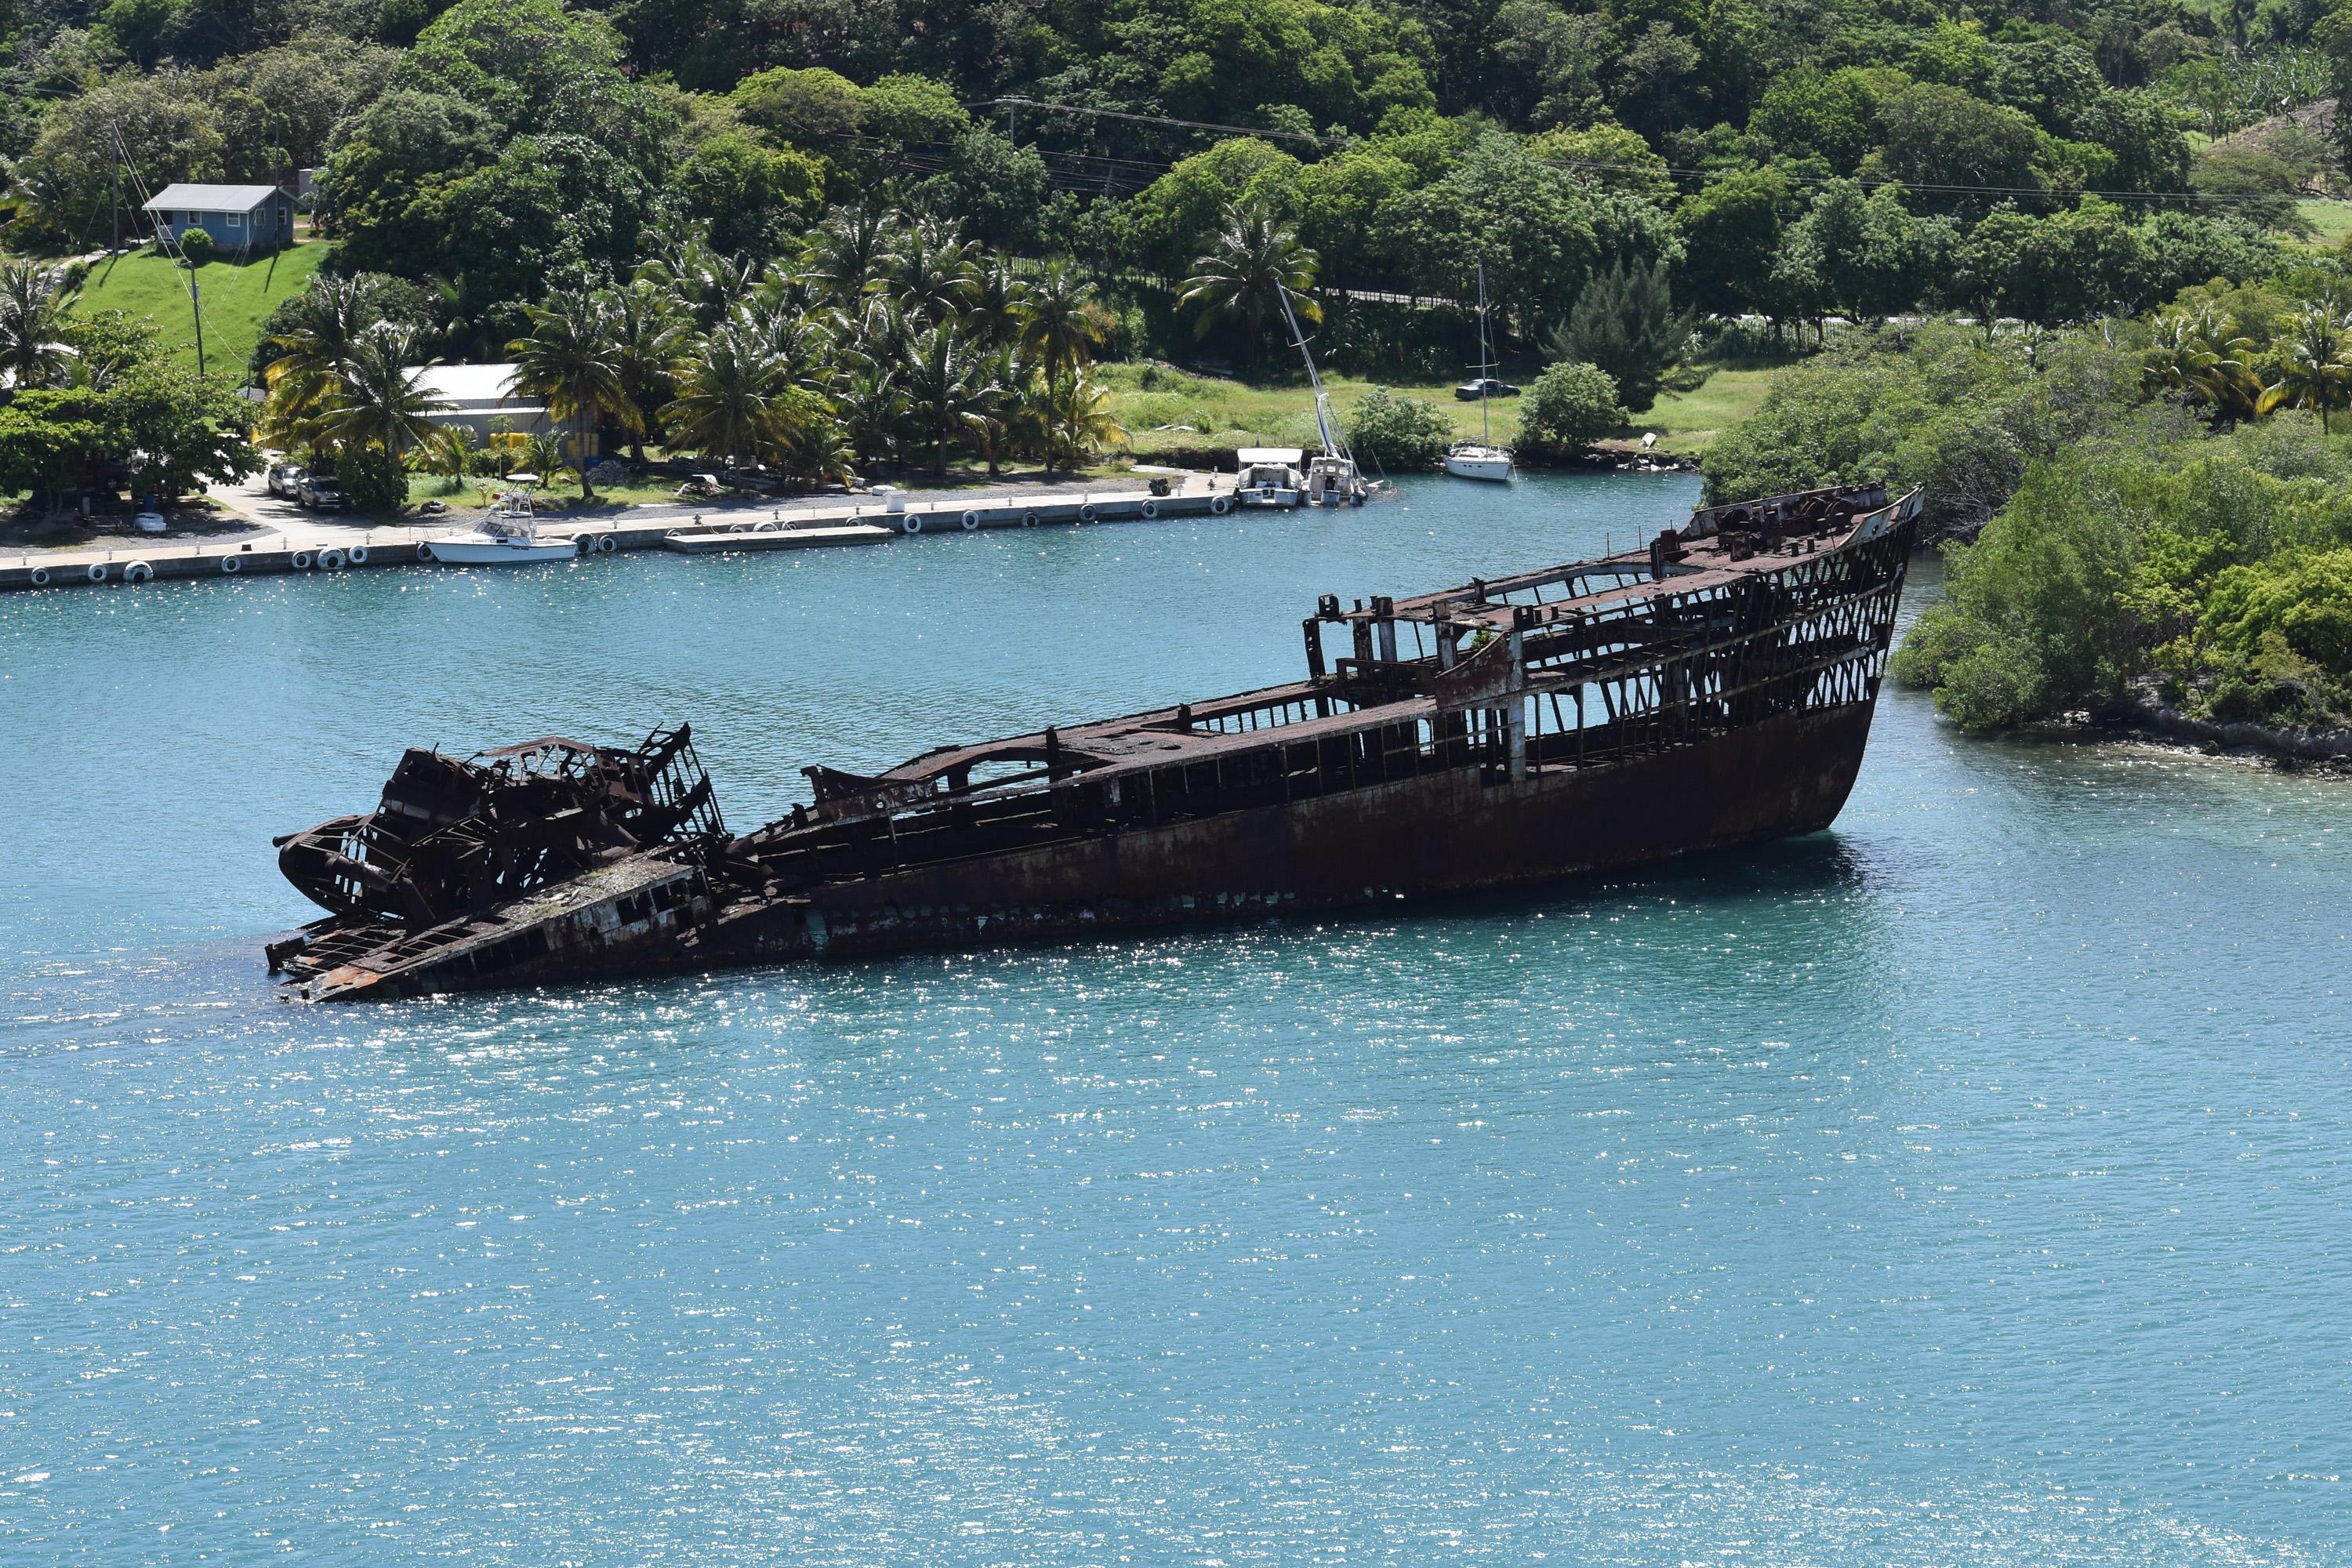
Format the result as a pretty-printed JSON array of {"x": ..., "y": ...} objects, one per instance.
[{"x": 1479, "y": 464}]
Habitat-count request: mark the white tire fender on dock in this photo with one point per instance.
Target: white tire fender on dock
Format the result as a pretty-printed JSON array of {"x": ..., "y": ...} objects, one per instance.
[
  {"x": 1028, "y": 520},
  {"x": 301, "y": 561},
  {"x": 231, "y": 565},
  {"x": 40, "y": 577},
  {"x": 138, "y": 572},
  {"x": 425, "y": 553},
  {"x": 97, "y": 572},
  {"x": 1087, "y": 512},
  {"x": 914, "y": 523},
  {"x": 358, "y": 556},
  {"x": 332, "y": 559},
  {"x": 606, "y": 545},
  {"x": 970, "y": 520},
  {"x": 1150, "y": 510},
  {"x": 1221, "y": 504}
]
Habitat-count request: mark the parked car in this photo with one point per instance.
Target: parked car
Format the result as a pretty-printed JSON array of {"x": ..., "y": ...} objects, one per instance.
[
  {"x": 1485, "y": 386},
  {"x": 319, "y": 492},
  {"x": 286, "y": 481},
  {"x": 149, "y": 522}
]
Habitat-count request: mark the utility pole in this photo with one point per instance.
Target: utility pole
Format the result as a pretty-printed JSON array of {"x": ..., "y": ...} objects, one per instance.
[{"x": 114, "y": 177}]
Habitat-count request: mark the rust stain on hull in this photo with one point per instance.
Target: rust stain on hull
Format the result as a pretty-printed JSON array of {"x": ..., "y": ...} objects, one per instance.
[{"x": 1715, "y": 690}]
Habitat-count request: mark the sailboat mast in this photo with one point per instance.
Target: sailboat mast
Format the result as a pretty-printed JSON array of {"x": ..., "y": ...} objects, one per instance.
[
  {"x": 1332, "y": 446},
  {"x": 1486, "y": 435}
]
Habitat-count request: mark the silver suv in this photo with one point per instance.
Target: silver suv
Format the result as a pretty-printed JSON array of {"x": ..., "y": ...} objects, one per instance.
[
  {"x": 319, "y": 492},
  {"x": 286, "y": 481}
]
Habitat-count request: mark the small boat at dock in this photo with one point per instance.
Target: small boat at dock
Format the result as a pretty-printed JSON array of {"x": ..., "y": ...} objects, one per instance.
[
  {"x": 508, "y": 534},
  {"x": 772, "y": 536}
]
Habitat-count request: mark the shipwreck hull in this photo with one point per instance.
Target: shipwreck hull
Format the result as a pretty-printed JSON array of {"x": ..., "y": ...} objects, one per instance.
[{"x": 1716, "y": 691}]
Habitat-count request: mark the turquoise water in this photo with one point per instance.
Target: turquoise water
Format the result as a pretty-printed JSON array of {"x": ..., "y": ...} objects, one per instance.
[{"x": 1964, "y": 1186}]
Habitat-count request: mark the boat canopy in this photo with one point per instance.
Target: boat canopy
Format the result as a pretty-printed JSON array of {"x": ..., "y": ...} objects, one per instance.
[{"x": 1249, "y": 456}]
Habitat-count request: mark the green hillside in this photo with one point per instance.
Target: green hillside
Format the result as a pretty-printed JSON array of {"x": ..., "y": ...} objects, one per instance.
[{"x": 236, "y": 299}]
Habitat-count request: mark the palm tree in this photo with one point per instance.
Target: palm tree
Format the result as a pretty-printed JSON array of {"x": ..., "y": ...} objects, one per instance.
[
  {"x": 873, "y": 407},
  {"x": 1081, "y": 416},
  {"x": 314, "y": 349},
  {"x": 572, "y": 359},
  {"x": 648, "y": 330},
  {"x": 31, "y": 353},
  {"x": 1062, "y": 324},
  {"x": 845, "y": 255},
  {"x": 380, "y": 400},
  {"x": 1253, "y": 261},
  {"x": 930, "y": 272},
  {"x": 999, "y": 294},
  {"x": 449, "y": 453},
  {"x": 730, "y": 391},
  {"x": 992, "y": 425},
  {"x": 2311, "y": 363},
  {"x": 945, "y": 383}
]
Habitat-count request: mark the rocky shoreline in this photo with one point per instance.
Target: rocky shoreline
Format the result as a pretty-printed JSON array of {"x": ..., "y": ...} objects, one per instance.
[{"x": 2317, "y": 750}]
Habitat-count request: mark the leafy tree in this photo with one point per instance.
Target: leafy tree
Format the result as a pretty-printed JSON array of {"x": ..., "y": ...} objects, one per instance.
[
  {"x": 1832, "y": 115},
  {"x": 1869, "y": 256},
  {"x": 1184, "y": 210},
  {"x": 1569, "y": 406},
  {"x": 1940, "y": 137},
  {"x": 1625, "y": 323},
  {"x": 384, "y": 169},
  {"x": 1611, "y": 155},
  {"x": 748, "y": 195},
  {"x": 167, "y": 130},
  {"x": 1732, "y": 233},
  {"x": 816, "y": 106},
  {"x": 1250, "y": 266},
  {"x": 1542, "y": 231},
  {"x": 1398, "y": 432}
]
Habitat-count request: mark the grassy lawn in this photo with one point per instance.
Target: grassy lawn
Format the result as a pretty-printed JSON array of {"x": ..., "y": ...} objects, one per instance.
[
  {"x": 237, "y": 297},
  {"x": 1688, "y": 422},
  {"x": 1167, "y": 410},
  {"x": 2332, "y": 219}
]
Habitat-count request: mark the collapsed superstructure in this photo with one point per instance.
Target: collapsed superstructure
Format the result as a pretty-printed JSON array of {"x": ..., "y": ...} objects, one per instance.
[{"x": 1715, "y": 688}]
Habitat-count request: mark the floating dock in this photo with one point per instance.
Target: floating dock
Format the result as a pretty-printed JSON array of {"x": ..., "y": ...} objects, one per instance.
[{"x": 322, "y": 547}]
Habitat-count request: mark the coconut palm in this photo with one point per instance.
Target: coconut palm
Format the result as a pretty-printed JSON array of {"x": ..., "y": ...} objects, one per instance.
[
  {"x": 930, "y": 272},
  {"x": 945, "y": 382},
  {"x": 649, "y": 329},
  {"x": 2311, "y": 369},
  {"x": 999, "y": 292},
  {"x": 1062, "y": 324},
  {"x": 323, "y": 329},
  {"x": 732, "y": 392},
  {"x": 1253, "y": 260},
  {"x": 1081, "y": 419},
  {"x": 991, "y": 428},
  {"x": 873, "y": 407},
  {"x": 31, "y": 352},
  {"x": 449, "y": 453},
  {"x": 847, "y": 254},
  {"x": 572, "y": 358},
  {"x": 378, "y": 399}
]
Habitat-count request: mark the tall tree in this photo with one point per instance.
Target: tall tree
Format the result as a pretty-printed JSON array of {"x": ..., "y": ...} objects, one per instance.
[
  {"x": 32, "y": 353},
  {"x": 572, "y": 357},
  {"x": 1062, "y": 324},
  {"x": 1253, "y": 260}
]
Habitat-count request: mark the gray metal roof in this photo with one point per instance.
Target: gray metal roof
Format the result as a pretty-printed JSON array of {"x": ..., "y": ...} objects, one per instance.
[{"x": 213, "y": 198}]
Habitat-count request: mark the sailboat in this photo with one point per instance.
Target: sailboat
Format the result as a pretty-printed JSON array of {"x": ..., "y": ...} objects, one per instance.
[
  {"x": 1481, "y": 460},
  {"x": 1333, "y": 478}
]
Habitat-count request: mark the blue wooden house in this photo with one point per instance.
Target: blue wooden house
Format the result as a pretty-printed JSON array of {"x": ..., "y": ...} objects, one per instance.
[{"x": 242, "y": 220}]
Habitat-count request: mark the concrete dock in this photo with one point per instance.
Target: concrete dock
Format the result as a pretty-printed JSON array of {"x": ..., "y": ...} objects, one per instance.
[{"x": 283, "y": 539}]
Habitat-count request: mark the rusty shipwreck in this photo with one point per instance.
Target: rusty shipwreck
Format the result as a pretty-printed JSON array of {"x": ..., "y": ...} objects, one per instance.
[{"x": 1712, "y": 690}]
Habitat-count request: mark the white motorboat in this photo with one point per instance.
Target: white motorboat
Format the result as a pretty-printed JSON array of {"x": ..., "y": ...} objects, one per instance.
[
  {"x": 508, "y": 534},
  {"x": 1481, "y": 460},
  {"x": 1269, "y": 476}
]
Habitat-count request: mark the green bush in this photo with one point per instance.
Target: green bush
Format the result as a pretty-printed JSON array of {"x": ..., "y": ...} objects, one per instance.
[
  {"x": 373, "y": 481},
  {"x": 1398, "y": 432},
  {"x": 1570, "y": 405},
  {"x": 196, "y": 244}
]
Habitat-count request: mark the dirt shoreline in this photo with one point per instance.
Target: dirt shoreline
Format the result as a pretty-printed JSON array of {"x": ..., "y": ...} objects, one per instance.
[{"x": 2302, "y": 751}]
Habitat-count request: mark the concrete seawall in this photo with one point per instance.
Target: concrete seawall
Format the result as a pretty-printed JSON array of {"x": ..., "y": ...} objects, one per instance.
[{"x": 317, "y": 548}]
